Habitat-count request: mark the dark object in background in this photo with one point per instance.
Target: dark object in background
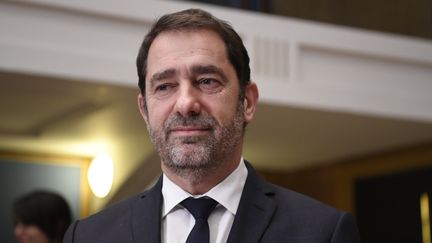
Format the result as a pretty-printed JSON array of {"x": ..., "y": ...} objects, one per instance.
[
  {"x": 388, "y": 206},
  {"x": 47, "y": 211}
]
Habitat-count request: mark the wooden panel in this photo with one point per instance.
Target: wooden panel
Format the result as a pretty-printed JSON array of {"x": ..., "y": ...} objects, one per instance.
[
  {"x": 413, "y": 18},
  {"x": 334, "y": 183}
]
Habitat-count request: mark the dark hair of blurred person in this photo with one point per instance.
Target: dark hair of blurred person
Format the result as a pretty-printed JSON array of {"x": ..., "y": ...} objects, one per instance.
[{"x": 41, "y": 217}]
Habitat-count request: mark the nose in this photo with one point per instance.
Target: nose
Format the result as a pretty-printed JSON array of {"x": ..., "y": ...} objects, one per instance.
[{"x": 188, "y": 101}]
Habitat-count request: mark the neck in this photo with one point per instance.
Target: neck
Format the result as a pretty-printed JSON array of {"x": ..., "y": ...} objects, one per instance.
[{"x": 200, "y": 181}]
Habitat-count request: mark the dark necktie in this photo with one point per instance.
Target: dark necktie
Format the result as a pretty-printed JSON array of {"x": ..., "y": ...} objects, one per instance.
[{"x": 200, "y": 209}]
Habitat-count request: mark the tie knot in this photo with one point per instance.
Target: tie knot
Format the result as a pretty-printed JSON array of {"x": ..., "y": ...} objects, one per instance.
[{"x": 200, "y": 208}]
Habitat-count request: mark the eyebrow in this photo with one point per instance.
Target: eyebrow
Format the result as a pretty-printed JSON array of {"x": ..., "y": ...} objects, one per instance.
[
  {"x": 196, "y": 70},
  {"x": 165, "y": 74},
  {"x": 209, "y": 69}
]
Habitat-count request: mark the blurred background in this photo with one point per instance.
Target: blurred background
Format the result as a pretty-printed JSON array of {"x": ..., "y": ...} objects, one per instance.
[{"x": 345, "y": 111}]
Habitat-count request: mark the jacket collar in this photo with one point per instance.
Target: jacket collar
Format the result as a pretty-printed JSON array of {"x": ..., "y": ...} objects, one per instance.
[
  {"x": 255, "y": 210},
  {"x": 146, "y": 215}
]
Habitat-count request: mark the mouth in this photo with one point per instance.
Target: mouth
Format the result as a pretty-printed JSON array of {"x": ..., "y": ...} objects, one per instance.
[{"x": 189, "y": 131}]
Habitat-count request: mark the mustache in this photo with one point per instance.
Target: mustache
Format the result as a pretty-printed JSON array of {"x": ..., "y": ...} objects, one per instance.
[{"x": 202, "y": 120}]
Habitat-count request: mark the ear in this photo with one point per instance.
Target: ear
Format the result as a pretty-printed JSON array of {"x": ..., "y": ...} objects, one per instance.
[
  {"x": 143, "y": 111},
  {"x": 250, "y": 101}
]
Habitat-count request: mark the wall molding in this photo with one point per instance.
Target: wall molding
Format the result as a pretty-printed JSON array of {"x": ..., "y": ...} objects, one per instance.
[{"x": 295, "y": 62}]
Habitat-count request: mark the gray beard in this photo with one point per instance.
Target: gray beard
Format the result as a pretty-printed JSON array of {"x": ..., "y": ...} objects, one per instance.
[{"x": 194, "y": 158}]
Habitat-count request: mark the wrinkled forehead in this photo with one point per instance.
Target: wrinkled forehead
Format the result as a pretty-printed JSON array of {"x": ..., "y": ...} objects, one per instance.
[{"x": 172, "y": 48}]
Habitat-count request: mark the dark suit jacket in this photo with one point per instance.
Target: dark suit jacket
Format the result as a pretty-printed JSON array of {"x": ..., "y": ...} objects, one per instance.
[{"x": 266, "y": 213}]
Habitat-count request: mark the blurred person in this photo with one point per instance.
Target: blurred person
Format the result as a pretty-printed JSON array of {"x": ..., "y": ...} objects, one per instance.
[
  {"x": 196, "y": 98},
  {"x": 41, "y": 217}
]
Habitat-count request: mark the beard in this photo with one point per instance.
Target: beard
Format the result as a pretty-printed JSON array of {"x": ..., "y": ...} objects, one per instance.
[{"x": 195, "y": 157}]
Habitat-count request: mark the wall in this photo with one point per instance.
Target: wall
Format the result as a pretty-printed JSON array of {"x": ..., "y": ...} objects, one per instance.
[{"x": 334, "y": 183}]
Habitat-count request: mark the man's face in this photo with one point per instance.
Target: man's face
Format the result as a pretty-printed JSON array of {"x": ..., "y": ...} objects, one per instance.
[{"x": 194, "y": 115}]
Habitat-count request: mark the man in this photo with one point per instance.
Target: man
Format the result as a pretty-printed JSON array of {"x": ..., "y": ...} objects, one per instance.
[{"x": 196, "y": 99}]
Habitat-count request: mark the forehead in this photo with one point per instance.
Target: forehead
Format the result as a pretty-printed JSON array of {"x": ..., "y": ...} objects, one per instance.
[
  {"x": 184, "y": 47},
  {"x": 195, "y": 37}
]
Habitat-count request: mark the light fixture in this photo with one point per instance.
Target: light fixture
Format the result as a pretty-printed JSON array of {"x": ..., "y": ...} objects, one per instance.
[
  {"x": 100, "y": 175},
  {"x": 425, "y": 217}
]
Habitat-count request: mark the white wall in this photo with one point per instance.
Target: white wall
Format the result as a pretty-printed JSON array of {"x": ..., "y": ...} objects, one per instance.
[{"x": 295, "y": 63}]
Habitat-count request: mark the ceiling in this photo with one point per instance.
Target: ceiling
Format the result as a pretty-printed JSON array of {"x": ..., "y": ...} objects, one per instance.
[{"x": 68, "y": 117}]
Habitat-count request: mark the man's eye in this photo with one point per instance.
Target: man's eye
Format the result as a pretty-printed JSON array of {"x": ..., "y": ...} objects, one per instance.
[
  {"x": 162, "y": 87},
  {"x": 207, "y": 81},
  {"x": 209, "y": 84}
]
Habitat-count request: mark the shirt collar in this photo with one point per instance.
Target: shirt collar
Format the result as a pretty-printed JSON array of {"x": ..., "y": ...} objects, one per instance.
[{"x": 227, "y": 192}]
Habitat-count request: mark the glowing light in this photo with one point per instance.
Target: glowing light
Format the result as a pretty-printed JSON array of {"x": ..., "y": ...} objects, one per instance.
[
  {"x": 424, "y": 211},
  {"x": 100, "y": 175}
]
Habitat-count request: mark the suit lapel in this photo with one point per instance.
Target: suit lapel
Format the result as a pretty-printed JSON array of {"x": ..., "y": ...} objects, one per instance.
[
  {"x": 146, "y": 215},
  {"x": 256, "y": 208}
]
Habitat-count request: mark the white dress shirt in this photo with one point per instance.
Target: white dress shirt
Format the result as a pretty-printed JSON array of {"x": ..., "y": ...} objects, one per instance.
[{"x": 177, "y": 222}]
